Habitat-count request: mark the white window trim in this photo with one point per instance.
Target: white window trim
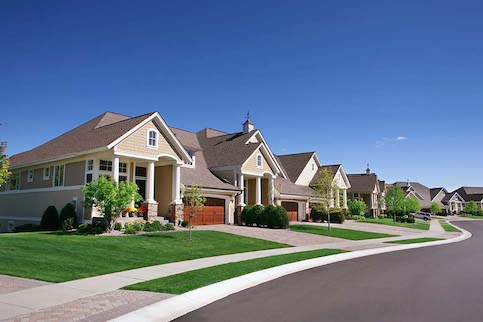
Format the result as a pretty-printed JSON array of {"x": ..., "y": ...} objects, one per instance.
[
  {"x": 63, "y": 176},
  {"x": 30, "y": 172},
  {"x": 261, "y": 161},
  {"x": 156, "y": 146},
  {"x": 87, "y": 165},
  {"x": 105, "y": 171},
  {"x": 43, "y": 173}
]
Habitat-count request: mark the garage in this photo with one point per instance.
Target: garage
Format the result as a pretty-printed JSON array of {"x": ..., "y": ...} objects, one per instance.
[
  {"x": 213, "y": 213},
  {"x": 292, "y": 209}
]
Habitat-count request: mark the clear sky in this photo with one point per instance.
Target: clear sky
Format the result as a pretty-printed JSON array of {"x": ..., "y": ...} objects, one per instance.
[{"x": 396, "y": 84}]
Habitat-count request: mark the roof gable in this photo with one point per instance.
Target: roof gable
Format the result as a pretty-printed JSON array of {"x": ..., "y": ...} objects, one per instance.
[{"x": 294, "y": 164}]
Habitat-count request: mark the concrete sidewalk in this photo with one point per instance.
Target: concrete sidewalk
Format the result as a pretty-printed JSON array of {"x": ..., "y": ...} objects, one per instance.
[{"x": 29, "y": 300}]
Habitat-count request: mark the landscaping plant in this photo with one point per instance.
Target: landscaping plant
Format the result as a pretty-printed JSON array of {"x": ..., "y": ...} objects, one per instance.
[
  {"x": 259, "y": 215},
  {"x": 435, "y": 208},
  {"x": 50, "y": 219},
  {"x": 471, "y": 208},
  {"x": 68, "y": 217},
  {"x": 395, "y": 199},
  {"x": 246, "y": 217},
  {"x": 4, "y": 164},
  {"x": 194, "y": 203},
  {"x": 325, "y": 190},
  {"x": 357, "y": 207},
  {"x": 111, "y": 198}
]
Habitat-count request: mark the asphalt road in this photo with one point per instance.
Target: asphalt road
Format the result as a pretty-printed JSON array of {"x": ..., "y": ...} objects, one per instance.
[{"x": 441, "y": 283}]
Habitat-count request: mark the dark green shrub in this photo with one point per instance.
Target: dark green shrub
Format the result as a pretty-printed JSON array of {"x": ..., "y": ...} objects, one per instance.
[
  {"x": 129, "y": 230},
  {"x": 411, "y": 220},
  {"x": 259, "y": 215},
  {"x": 138, "y": 225},
  {"x": 154, "y": 226},
  {"x": 27, "y": 228},
  {"x": 84, "y": 229},
  {"x": 316, "y": 214},
  {"x": 168, "y": 226},
  {"x": 266, "y": 214},
  {"x": 184, "y": 223},
  {"x": 67, "y": 224},
  {"x": 277, "y": 218},
  {"x": 118, "y": 226},
  {"x": 336, "y": 216},
  {"x": 68, "y": 212},
  {"x": 50, "y": 219},
  {"x": 247, "y": 217}
]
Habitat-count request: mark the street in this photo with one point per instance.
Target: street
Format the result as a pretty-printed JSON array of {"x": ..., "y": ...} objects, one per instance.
[{"x": 441, "y": 283}]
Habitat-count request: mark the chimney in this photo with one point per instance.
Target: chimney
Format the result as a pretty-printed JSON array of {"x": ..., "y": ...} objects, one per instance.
[
  {"x": 368, "y": 170},
  {"x": 248, "y": 125}
]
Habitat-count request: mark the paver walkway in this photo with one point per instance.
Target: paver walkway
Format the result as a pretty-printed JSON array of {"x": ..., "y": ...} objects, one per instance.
[{"x": 9, "y": 284}]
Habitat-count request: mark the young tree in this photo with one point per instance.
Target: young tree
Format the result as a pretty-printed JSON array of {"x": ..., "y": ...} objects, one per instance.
[
  {"x": 4, "y": 164},
  {"x": 110, "y": 198},
  {"x": 435, "y": 208},
  {"x": 411, "y": 205},
  {"x": 471, "y": 208},
  {"x": 325, "y": 190},
  {"x": 357, "y": 207},
  {"x": 395, "y": 200},
  {"x": 194, "y": 202}
]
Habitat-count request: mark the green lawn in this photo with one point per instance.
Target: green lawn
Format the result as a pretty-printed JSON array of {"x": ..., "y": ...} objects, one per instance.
[
  {"x": 472, "y": 217},
  {"x": 337, "y": 232},
  {"x": 60, "y": 257},
  {"x": 184, "y": 282},
  {"x": 414, "y": 241},
  {"x": 389, "y": 221},
  {"x": 448, "y": 228}
]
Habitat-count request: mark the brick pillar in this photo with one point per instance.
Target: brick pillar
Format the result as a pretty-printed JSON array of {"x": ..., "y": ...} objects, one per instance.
[
  {"x": 152, "y": 210},
  {"x": 176, "y": 213}
]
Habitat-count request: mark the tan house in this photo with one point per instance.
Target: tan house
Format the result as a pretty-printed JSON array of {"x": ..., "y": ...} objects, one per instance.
[{"x": 367, "y": 187}]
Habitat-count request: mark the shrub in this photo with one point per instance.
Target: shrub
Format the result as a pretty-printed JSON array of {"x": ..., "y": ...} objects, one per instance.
[
  {"x": 277, "y": 218},
  {"x": 357, "y": 207},
  {"x": 68, "y": 212},
  {"x": 67, "y": 224},
  {"x": 138, "y": 225},
  {"x": 184, "y": 223},
  {"x": 168, "y": 226},
  {"x": 267, "y": 211},
  {"x": 129, "y": 230},
  {"x": 84, "y": 229},
  {"x": 336, "y": 216},
  {"x": 259, "y": 215},
  {"x": 316, "y": 214},
  {"x": 118, "y": 226},
  {"x": 247, "y": 217},
  {"x": 27, "y": 228},
  {"x": 154, "y": 226},
  {"x": 411, "y": 220},
  {"x": 471, "y": 208},
  {"x": 358, "y": 218},
  {"x": 50, "y": 219}
]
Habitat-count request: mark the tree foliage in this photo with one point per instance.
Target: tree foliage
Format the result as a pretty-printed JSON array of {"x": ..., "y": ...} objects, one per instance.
[
  {"x": 471, "y": 207},
  {"x": 325, "y": 190},
  {"x": 110, "y": 198},
  {"x": 4, "y": 164},
  {"x": 395, "y": 199},
  {"x": 357, "y": 207},
  {"x": 194, "y": 203},
  {"x": 412, "y": 204},
  {"x": 435, "y": 208}
]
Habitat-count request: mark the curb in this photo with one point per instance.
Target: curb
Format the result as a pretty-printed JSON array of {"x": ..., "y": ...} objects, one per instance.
[{"x": 180, "y": 305}]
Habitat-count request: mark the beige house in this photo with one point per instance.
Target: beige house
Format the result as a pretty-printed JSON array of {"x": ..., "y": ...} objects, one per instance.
[{"x": 367, "y": 187}]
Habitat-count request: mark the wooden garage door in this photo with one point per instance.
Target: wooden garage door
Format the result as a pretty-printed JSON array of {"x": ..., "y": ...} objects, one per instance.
[
  {"x": 292, "y": 210},
  {"x": 213, "y": 213}
]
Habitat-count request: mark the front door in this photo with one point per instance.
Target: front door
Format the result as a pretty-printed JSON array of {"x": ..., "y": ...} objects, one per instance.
[{"x": 142, "y": 187}]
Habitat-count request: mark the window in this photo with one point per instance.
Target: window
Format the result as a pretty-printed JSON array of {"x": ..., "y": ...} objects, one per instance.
[
  {"x": 14, "y": 182},
  {"x": 88, "y": 177},
  {"x": 90, "y": 165},
  {"x": 122, "y": 167},
  {"x": 313, "y": 167},
  {"x": 46, "y": 173},
  {"x": 152, "y": 138},
  {"x": 140, "y": 172},
  {"x": 259, "y": 161},
  {"x": 105, "y": 165},
  {"x": 59, "y": 175},
  {"x": 122, "y": 178},
  {"x": 30, "y": 176}
]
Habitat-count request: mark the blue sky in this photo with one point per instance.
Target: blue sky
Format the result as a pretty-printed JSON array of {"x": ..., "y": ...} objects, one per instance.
[{"x": 396, "y": 85}]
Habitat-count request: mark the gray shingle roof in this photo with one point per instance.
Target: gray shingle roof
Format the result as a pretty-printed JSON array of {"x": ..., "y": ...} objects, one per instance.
[
  {"x": 189, "y": 140},
  {"x": 423, "y": 191},
  {"x": 287, "y": 187},
  {"x": 294, "y": 164},
  {"x": 331, "y": 168},
  {"x": 362, "y": 182},
  {"x": 96, "y": 133},
  {"x": 471, "y": 193},
  {"x": 434, "y": 192}
]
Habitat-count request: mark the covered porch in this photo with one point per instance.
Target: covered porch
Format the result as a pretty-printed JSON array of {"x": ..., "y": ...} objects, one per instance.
[{"x": 256, "y": 189}]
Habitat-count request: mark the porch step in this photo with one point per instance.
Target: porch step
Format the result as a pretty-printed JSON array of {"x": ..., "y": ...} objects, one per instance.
[{"x": 162, "y": 220}]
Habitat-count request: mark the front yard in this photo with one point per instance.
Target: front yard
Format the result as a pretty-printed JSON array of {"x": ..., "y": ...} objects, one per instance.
[
  {"x": 389, "y": 221},
  {"x": 337, "y": 232},
  {"x": 60, "y": 257},
  {"x": 414, "y": 240}
]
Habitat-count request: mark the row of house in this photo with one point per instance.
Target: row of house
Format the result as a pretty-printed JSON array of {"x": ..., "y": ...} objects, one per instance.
[{"x": 233, "y": 169}]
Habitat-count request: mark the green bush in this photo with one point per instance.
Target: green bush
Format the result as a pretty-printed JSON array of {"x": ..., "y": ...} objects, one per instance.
[
  {"x": 68, "y": 212},
  {"x": 84, "y": 229},
  {"x": 27, "y": 228},
  {"x": 336, "y": 216},
  {"x": 267, "y": 211},
  {"x": 358, "y": 218},
  {"x": 50, "y": 219},
  {"x": 154, "y": 226},
  {"x": 168, "y": 226},
  {"x": 316, "y": 214},
  {"x": 277, "y": 218},
  {"x": 357, "y": 207},
  {"x": 259, "y": 215},
  {"x": 118, "y": 226},
  {"x": 184, "y": 223},
  {"x": 247, "y": 217},
  {"x": 411, "y": 220},
  {"x": 96, "y": 229},
  {"x": 129, "y": 230},
  {"x": 471, "y": 208}
]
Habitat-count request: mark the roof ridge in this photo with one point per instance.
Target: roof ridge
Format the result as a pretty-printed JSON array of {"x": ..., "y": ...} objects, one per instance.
[
  {"x": 130, "y": 118},
  {"x": 299, "y": 153}
]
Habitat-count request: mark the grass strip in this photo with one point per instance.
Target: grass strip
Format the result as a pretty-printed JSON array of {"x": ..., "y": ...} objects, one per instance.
[
  {"x": 414, "y": 241},
  {"x": 390, "y": 222},
  {"x": 448, "y": 228},
  {"x": 184, "y": 282},
  {"x": 338, "y": 232}
]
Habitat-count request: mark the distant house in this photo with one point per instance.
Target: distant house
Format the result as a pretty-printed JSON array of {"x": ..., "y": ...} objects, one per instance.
[
  {"x": 426, "y": 196},
  {"x": 456, "y": 201},
  {"x": 367, "y": 187}
]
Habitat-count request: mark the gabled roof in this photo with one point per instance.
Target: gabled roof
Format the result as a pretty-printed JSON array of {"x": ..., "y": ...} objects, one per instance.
[
  {"x": 450, "y": 195},
  {"x": 382, "y": 185},
  {"x": 423, "y": 193},
  {"x": 435, "y": 191},
  {"x": 287, "y": 187},
  {"x": 331, "y": 168},
  {"x": 188, "y": 139},
  {"x": 471, "y": 193},
  {"x": 294, "y": 164},
  {"x": 362, "y": 182},
  {"x": 95, "y": 134}
]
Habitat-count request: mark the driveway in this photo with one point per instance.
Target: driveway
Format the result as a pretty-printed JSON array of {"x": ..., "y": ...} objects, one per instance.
[
  {"x": 277, "y": 235},
  {"x": 440, "y": 283}
]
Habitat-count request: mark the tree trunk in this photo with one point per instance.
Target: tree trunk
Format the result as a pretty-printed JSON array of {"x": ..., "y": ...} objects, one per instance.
[{"x": 189, "y": 225}]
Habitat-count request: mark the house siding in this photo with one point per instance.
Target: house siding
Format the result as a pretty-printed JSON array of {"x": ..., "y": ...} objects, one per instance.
[
  {"x": 75, "y": 173},
  {"x": 251, "y": 164},
  {"x": 136, "y": 143},
  {"x": 307, "y": 173},
  {"x": 38, "y": 182}
]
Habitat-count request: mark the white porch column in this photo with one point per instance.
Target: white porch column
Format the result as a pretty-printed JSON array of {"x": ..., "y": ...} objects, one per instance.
[
  {"x": 115, "y": 169},
  {"x": 258, "y": 191},
  {"x": 344, "y": 199},
  {"x": 241, "y": 185},
  {"x": 150, "y": 183},
  {"x": 337, "y": 199},
  {"x": 176, "y": 184},
  {"x": 133, "y": 174},
  {"x": 272, "y": 191}
]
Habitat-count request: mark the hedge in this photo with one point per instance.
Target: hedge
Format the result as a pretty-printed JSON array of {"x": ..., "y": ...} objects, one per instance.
[
  {"x": 336, "y": 215},
  {"x": 50, "y": 219},
  {"x": 269, "y": 216}
]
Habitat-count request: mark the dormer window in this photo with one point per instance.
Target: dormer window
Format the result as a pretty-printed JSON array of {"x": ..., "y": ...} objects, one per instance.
[
  {"x": 153, "y": 138},
  {"x": 259, "y": 161}
]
